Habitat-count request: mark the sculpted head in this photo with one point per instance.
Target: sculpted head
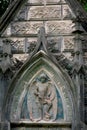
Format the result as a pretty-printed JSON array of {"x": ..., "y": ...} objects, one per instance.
[{"x": 43, "y": 78}]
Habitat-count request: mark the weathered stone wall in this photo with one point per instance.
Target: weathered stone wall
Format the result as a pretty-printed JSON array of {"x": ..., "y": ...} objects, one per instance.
[
  {"x": 55, "y": 16},
  {"x": 21, "y": 35}
]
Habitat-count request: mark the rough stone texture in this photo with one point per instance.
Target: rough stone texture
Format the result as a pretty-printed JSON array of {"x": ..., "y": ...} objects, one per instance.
[
  {"x": 23, "y": 128},
  {"x": 43, "y": 1},
  {"x": 21, "y": 57},
  {"x": 21, "y": 40},
  {"x": 52, "y": 27},
  {"x": 32, "y": 27},
  {"x": 68, "y": 43},
  {"x": 26, "y": 28},
  {"x": 85, "y": 58},
  {"x": 45, "y": 12},
  {"x": 66, "y": 12}
]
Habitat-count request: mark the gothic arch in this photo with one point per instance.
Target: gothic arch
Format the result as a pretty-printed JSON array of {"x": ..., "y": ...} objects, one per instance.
[{"x": 40, "y": 62}]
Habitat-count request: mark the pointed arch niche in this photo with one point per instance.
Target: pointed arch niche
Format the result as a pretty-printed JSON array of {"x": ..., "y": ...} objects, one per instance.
[{"x": 20, "y": 94}]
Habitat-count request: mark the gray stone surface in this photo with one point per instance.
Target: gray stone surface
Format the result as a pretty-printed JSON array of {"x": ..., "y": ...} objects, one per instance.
[{"x": 60, "y": 51}]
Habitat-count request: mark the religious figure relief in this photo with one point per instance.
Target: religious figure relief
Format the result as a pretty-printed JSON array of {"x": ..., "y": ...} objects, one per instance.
[{"x": 42, "y": 99}]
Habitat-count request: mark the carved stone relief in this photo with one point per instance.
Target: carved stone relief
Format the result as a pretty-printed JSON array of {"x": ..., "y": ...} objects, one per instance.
[
  {"x": 42, "y": 101},
  {"x": 52, "y": 27},
  {"x": 31, "y": 44},
  {"x": 69, "y": 56},
  {"x": 43, "y": 1},
  {"x": 22, "y": 14},
  {"x": 16, "y": 43},
  {"x": 65, "y": 61},
  {"x": 26, "y": 27},
  {"x": 54, "y": 44},
  {"x": 68, "y": 43},
  {"x": 20, "y": 45},
  {"x": 67, "y": 13},
  {"x": 20, "y": 57},
  {"x": 45, "y": 12},
  {"x": 60, "y": 27}
]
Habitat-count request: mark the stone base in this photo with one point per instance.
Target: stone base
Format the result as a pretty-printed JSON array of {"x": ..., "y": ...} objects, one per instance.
[{"x": 25, "y": 125}]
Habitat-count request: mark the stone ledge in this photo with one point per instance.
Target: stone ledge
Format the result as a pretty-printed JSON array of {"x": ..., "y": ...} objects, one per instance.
[{"x": 60, "y": 123}]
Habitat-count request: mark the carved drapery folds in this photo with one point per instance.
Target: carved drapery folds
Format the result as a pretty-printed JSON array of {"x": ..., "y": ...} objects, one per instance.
[{"x": 42, "y": 100}]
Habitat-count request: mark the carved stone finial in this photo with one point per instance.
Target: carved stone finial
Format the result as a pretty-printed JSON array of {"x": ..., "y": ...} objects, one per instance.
[{"x": 42, "y": 41}]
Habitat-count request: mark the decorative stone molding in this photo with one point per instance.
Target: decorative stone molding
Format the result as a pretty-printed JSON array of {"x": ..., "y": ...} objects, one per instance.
[
  {"x": 7, "y": 62},
  {"x": 45, "y": 12},
  {"x": 26, "y": 28},
  {"x": 29, "y": 80}
]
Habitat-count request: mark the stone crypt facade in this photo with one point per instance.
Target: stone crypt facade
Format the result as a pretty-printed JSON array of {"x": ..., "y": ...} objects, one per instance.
[{"x": 43, "y": 66}]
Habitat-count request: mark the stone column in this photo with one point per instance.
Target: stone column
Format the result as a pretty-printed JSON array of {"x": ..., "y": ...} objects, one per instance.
[
  {"x": 5, "y": 65},
  {"x": 78, "y": 68}
]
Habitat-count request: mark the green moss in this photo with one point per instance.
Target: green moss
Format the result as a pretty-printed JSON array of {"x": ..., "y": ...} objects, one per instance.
[
  {"x": 3, "y": 6},
  {"x": 84, "y": 3},
  {"x": 85, "y": 6}
]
